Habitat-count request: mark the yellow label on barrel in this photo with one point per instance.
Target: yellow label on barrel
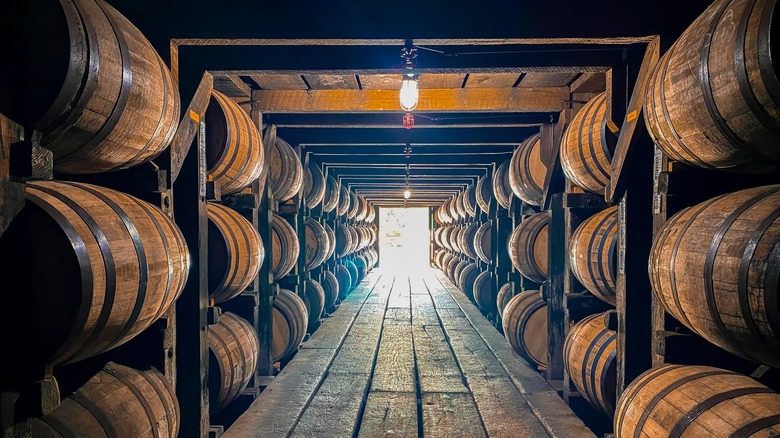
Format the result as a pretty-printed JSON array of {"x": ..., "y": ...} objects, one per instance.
[
  {"x": 195, "y": 116},
  {"x": 632, "y": 115}
]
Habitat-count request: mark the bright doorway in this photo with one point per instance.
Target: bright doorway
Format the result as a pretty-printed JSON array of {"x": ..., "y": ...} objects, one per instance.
[{"x": 404, "y": 239}]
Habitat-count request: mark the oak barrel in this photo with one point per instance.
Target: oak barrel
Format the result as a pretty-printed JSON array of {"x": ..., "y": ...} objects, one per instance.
[
  {"x": 525, "y": 326},
  {"x": 527, "y": 172},
  {"x": 457, "y": 269},
  {"x": 528, "y": 247},
  {"x": 354, "y": 205},
  {"x": 484, "y": 194},
  {"x": 343, "y": 240},
  {"x": 118, "y": 401},
  {"x": 354, "y": 274},
  {"x": 234, "y": 149},
  {"x": 345, "y": 280},
  {"x": 470, "y": 200},
  {"x": 331, "y": 240},
  {"x": 235, "y": 252},
  {"x": 466, "y": 240},
  {"x": 315, "y": 303},
  {"x": 317, "y": 243},
  {"x": 330, "y": 199},
  {"x": 501, "y": 189},
  {"x": 289, "y": 324},
  {"x": 466, "y": 278},
  {"x": 696, "y": 401},
  {"x": 483, "y": 293},
  {"x": 587, "y": 145},
  {"x": 713, "y": 98},
  {"x": 482, "y": 242},
  {"x": 285, "y": 173},
  {"x": 233, "y": 352},
  {"x": 285, "y": 246},
  {"x": 330, "y": 285},
  {"x": 344, "y": 202},
  {"x": 98, "y": 267},
  {"x": 589, "y": 358},
  {"x": 87, "y": 79},
  {"x": 504, "y": 295},
  {"x": 313, "y": 185},
  {"x": 593, "y": 254},
  {"x": 715, "y": 267}
]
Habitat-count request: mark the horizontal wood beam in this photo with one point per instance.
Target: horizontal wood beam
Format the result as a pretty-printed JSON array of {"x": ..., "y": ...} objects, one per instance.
[
  {"x": 394, "y": 120},
  {"x": 518, "y": 100},
  {"x": 353, "y": 136}
]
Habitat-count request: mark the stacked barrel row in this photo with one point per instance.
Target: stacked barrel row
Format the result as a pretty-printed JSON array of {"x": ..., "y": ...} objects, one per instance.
[
  {"x": 714, "y": 265},
  {"x": 94, "y": 268}
]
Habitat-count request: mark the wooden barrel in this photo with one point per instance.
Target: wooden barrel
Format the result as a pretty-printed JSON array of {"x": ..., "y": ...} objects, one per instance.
[
  {"x": 363, "y": 212},
  {"x": 285, "y": 173},
  {"x": 317, "y": 243},
  {"x": 504, "y": 295},
  {"x": 470, "y": 200},
  {"x": 593, "y": 254},
  {"x": 330, "y": 285},
  {"x": 528, "y": 247},
  {"x": 466, "y": 240},
  {"x": 285, "y": 246},
  {"x": 444, "y": 213},
  {"x": 525, "y": 326},
  {"x": 484, "y": 194},
  {"x": 697, "y": 401},
  {"x": 343, "y": 240},
  {"x": 458, "y": 270},
  {"x": 527, "y": 172},
  {"x": 354, "y": 205},
  {"x": 94, "y": 86},
  {"x": 355, "y": 238},
  {"x": 98, "y": 266},
  {"x": 345, "y": 280},
  {"x": 331, "y": 240},
  {"x": 589, "y": 358},
  {"x": 437, "y": 236},
  {"x": 118, "y": 401},
  {"x": 330, "y": 199},
  {"x": 371, "y": 213},
  {"x": 483, "y": 293},
  {"x": 354, "y": 274},
  {"x": 713, "y": 99},
  {"x": 460, "y": 204},
  {"x": 445, "y": 236},
  {"x": 361, "y": 261},
  {"x": 466, "y": 279},
  {"x": 501, "y": 189},
  {"x": 715, "y": 267},
  {"x": 313, "y": 185},
  {"x": 234, "y": 150},
  {"x": 315, "y": 303},
  {"x": 445, "y": 260},
  {"x": 344, "y": 202},
  {"x": 483, "y": 242},
  {"x": 235, "y": 252},
  {"x": 289, "y": 324},
  {"x": 233, "y": 352},
  {"x": 587, "y": 145}
]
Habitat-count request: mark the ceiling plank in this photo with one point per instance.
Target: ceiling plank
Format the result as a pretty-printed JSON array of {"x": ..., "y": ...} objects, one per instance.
[
  {"x": 441, "y": 80},
  {"x": 590, "y": 83},
  {"x": 455, "y": 100},
  {"x": 380, "y": 81},
  {"x": 546, "y": 80},
  {"x": 232, "y": 86},
  {"x": 280, "y": 81},
  {"x": 331, "y": 82},
  {"x": 492, "y": 80}
]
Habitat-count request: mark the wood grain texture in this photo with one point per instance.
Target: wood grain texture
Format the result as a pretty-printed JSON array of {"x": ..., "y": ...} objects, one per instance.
[
  {"x": 394, "y": 369},
  {"x": 593, "y": 254},
  {"x": 436, "y": 366},
  {"x": 389, "y": 414},
  {"x": 233, "y": 352},
  {"x": 448, "y": 415},
  {"x": 589, "y": 358},
  {"x": 334, "y": 409},
  {"x": 528, "y": 247},
  {"x": 235, "y": 252}
]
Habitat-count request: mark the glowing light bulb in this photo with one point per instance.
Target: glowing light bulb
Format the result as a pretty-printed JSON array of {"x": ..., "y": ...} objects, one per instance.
[
  {"x": 407, "y": 194},
  {"x": 409, "y": 92}
]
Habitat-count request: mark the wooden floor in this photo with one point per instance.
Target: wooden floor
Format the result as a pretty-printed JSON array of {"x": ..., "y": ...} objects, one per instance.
[{"x": 407, "y": 356}]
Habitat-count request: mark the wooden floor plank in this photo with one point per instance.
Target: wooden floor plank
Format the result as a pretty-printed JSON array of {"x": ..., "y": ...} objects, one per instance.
[
  {"x": 556, "y": 417},
  {"x": 394, "y": 369},
  {"x": 357, "y": 354},
  {"x": 277, "y": 409},
  {"x": 503, "y": 409},
  {"x": 450, "y": 415},
  {"x": 417, "y": 285},
  {"x": 333, "y": 412},
  {"x": 389, "y": 414},
  {"x": 399, "y": 315},
  {"x": 436, "y": 366},
  {"x": 423, "y": 312},
  {"x": 473, "y": 355}
]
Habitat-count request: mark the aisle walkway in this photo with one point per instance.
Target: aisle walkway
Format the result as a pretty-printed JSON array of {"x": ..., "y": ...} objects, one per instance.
[{"x": 403, "y": 357}]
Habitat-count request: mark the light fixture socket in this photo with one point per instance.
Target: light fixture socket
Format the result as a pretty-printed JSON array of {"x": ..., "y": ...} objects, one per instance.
[{"x": 410, "y": 92}]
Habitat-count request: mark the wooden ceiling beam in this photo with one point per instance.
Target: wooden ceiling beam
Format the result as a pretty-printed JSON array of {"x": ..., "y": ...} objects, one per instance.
[{"x": 511, "y": 100}]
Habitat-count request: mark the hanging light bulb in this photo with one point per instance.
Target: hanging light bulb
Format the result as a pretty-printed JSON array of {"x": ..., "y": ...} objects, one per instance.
[
  {"x": 409, "y": 92},
  {"x": 407, "y": 194}
]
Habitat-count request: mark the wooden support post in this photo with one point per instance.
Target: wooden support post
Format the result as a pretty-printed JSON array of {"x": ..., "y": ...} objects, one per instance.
[
  {"x": 191, "y": 321},
  {"x": 554, "y": 288}
]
